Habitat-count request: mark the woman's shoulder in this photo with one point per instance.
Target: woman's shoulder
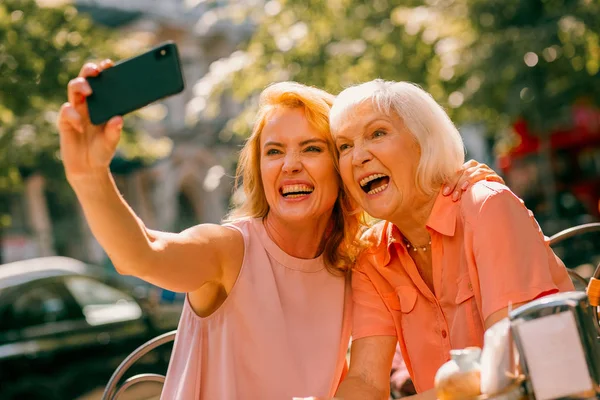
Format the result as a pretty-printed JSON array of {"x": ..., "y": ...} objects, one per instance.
[
  {"x": 214, "y": 230},
  {"x": 485, "y": 195},
  {"x": 244, "y": 223},
  {"x": 223, "y": 238}
]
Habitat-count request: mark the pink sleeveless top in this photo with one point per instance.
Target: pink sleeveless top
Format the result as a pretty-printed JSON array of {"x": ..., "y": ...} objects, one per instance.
[{"x": 282, "y": 332}]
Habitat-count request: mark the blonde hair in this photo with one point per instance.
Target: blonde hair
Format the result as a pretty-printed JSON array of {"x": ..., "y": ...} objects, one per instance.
[
  {"x": 442, "y": 149},
  {"x": 341, "y": 243}
]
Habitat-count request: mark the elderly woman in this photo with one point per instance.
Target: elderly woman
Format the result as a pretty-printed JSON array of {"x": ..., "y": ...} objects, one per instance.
[{"x": 438, "y": 272}]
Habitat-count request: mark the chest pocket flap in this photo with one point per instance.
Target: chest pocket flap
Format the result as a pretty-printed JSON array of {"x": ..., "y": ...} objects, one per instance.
[
  {"x": 465, "y": 289},
  {"x": 402, "y": 299}
]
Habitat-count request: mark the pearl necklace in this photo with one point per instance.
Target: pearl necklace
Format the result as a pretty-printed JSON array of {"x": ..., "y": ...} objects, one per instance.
[{"x": 415, "y": 248}]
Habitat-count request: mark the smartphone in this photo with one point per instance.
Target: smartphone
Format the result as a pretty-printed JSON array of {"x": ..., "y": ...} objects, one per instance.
[{"x": 135, "y": 82}]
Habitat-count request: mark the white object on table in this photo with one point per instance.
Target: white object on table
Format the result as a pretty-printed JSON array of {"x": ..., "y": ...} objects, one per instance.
[{"x": 554, "y": 354}]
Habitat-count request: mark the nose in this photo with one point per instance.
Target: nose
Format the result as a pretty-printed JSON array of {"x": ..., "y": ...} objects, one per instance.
[
  {"x": 360, "y": 156},
  {"x": 291, "y": 163}
]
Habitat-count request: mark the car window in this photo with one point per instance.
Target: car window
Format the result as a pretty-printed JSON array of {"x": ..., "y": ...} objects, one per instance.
[
  {"x": 38, "y": 305},
  {"x": 101, "y": 303}
]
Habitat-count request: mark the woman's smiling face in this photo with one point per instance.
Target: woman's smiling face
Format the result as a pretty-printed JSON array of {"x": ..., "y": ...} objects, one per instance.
[
  {"x": 378, "y": 158},
  {"x": 297, "y": 167}
]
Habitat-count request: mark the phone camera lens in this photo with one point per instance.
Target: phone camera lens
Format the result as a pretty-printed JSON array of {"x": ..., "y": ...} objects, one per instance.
[{"x": 160, "y": 53}]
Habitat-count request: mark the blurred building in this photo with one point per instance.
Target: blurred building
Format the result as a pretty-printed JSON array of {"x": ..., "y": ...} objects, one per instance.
[{"x": 192, "y": 183}]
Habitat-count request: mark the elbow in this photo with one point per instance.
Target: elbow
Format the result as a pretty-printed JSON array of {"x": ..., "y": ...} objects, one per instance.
[
  {"x": 123, "y": 268},
  {"x": 134, "y": 252},
  {"x": 138, "y": 263}
]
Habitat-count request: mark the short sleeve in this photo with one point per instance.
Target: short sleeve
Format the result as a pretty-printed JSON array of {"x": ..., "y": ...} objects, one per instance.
[
  {"x": 371, "y": 317},
  {"x": 514, "y": 262}
]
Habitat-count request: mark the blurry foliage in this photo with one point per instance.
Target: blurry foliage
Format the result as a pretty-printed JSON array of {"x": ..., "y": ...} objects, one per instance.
[
  {"x": 41, "y": 49},
  {"x": 471, "y": 55},
  {"x": 533, "y": 59},
  {"x": 331, "y": 45},
  {"x": 489, "y": 61}
]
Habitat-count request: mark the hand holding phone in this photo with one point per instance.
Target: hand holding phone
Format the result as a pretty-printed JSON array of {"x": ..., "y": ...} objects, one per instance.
[
  {"x": 85, "y": 149},
  {"x": 134, "y": 83},
  {"x": 90, "y": 122}
]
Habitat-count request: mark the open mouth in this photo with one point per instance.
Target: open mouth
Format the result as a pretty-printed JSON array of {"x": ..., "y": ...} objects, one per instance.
[
  {"x": 295, "y": 191},
  {"x": 374, "y": 183}
]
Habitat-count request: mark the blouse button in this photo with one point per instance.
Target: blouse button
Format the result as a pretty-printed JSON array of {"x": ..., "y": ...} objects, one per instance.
[{"x": 444, "y": 333}]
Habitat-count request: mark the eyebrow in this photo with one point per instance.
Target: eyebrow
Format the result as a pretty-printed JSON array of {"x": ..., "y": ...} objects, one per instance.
[
  {"x": 374, "y": 121},
  {"x": 302, "y": 143},
  {"x": 364, "y": 127}
]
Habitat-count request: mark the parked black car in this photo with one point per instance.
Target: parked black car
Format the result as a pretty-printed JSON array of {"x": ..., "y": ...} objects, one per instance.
[{"x": 65, "y": 326}]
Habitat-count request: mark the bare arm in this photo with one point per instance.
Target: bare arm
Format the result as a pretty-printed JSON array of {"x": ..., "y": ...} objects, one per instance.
[
  {"x": 180, "y": 262},
  {"x": 369, "y": 374},
  {"x": 370, "y": 365},
  {"x": 500, "y": 314}
]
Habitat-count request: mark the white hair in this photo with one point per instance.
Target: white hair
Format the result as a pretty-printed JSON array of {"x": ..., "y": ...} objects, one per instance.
[{"x": 442, "y": 149}]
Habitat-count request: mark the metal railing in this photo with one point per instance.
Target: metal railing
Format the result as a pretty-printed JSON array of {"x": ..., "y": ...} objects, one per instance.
[
  {"x": 572, "y": 232},
  {"x": 113, "y": 391}
]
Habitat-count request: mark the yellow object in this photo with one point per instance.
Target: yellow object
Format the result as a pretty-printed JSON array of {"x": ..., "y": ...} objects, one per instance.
[
  {"x": 593, "y": 292},
  {"x": 459, "y": 378}
]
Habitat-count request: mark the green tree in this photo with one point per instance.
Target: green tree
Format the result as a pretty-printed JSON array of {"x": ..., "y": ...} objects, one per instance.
[
  {"x": 485, "y": 61},
  {"x": 41, "y": 49},
  {"x": 531, "y": 60},
  {"x": 333, "y": 44},
  {"x": 536, "y": 58}
]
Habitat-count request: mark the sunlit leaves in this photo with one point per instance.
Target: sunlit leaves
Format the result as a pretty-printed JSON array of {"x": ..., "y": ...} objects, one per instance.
[
  {"x": 332, "y": 45},
  {"x": 540, "y": 58},
  {"x": 40, "y": 50}
]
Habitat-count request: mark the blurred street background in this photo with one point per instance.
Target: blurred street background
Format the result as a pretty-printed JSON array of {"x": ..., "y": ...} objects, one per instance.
[{"x": 520, "y": 78}]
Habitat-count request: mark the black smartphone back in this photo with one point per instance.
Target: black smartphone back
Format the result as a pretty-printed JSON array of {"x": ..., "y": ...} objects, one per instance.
[{"x": 134, "y": 83}]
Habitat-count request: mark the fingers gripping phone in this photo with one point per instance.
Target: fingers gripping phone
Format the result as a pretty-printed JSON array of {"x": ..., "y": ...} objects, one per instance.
[{"x": 134, "y": 83}]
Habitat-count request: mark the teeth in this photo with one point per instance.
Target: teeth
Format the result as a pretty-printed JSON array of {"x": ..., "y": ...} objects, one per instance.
[
  {"x": 379, "y": 189},
  {"x": 369, "y": 178},
  {"x": 296, "y": 188}
]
